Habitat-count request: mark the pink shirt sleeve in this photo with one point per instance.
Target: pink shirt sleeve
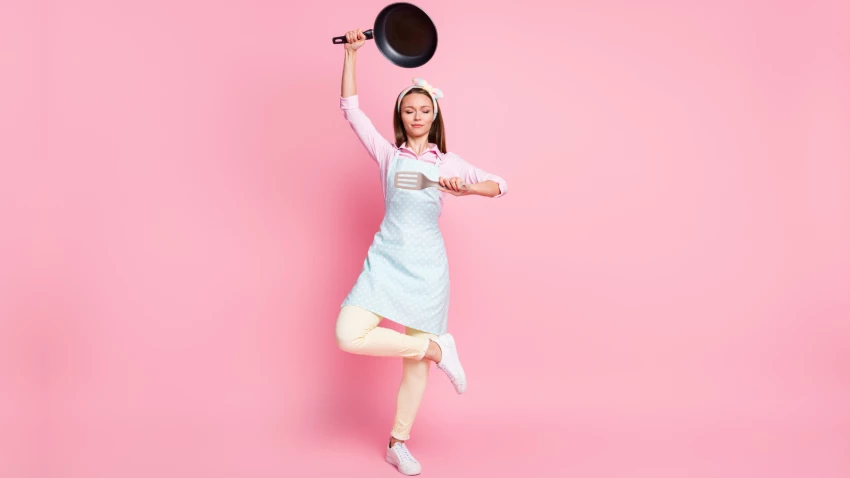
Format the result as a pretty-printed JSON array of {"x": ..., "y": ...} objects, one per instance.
[
  {"x": 473, "y": 175},
  {"x": 379, "y": 148}
]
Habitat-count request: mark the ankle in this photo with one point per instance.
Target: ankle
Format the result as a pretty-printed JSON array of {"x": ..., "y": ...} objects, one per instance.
[
  {"x": 394, "y": 440},
  {"x": 434, "y": 353}
]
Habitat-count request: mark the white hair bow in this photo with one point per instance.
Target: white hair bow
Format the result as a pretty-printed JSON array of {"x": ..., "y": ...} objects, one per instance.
[{"x": 421, "y": 83}]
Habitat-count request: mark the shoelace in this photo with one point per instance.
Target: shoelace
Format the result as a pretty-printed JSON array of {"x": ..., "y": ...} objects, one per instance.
[{"x": 405, "y": 453}]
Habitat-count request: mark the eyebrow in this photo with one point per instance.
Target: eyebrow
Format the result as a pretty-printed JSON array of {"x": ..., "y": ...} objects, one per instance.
[{"x": 423, "y": 106}]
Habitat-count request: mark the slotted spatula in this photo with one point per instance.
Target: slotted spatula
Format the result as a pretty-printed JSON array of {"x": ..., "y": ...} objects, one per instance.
[{"x": 416, "y": 180}]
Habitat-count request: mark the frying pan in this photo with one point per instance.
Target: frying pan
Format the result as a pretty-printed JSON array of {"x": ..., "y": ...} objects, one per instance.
[{"x": 404, "y": 33}]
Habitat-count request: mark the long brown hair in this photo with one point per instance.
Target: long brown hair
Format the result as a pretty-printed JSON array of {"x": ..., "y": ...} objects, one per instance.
[{"x": 437, "y": 135}]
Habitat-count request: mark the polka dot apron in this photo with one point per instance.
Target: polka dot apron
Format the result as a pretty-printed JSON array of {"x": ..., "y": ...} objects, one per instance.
[{"x": 405, "y": 276}]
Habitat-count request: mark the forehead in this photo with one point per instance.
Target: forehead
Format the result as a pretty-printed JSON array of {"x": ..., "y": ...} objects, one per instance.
[{"x": 416, "y": 100}]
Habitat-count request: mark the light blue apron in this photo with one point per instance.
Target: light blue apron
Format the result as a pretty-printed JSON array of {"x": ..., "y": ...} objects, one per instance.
[{"x": 405, "y": 277}]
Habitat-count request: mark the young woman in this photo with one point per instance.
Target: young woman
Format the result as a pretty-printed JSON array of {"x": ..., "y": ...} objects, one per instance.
[{"x": 405, "y": 277}]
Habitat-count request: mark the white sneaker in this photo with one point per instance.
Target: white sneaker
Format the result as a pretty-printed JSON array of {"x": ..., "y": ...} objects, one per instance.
[
  {"x": 450, "y": 362},
  {"x": 400, "y": 456}
]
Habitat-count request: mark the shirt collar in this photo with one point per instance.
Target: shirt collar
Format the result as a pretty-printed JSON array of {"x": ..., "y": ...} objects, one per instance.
[{"x": 433, "y": 147}]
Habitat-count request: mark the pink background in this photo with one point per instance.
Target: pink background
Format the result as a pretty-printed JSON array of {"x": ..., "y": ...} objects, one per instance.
[{"x": 664, "y": 292}]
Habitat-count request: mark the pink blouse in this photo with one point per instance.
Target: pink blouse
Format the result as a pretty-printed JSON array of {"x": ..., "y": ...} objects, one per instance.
[{"x": 383, "y": 151}]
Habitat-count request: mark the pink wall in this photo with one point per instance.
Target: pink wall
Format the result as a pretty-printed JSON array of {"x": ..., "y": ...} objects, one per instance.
[{"x": 665, "y": 291}]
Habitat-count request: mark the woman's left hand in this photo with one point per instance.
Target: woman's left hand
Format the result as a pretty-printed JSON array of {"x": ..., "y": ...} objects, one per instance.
[{"x": 454, "y": 186}]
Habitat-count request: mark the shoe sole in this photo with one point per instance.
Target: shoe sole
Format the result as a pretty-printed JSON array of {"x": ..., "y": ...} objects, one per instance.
[{"x": 451, "y": 340}]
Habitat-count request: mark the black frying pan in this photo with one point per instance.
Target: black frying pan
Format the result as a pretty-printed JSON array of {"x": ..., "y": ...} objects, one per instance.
[{"x": 404, "y": 34}]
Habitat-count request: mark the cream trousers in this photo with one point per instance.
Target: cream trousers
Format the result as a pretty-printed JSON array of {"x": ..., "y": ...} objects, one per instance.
[{"x": 357, "y": 332}]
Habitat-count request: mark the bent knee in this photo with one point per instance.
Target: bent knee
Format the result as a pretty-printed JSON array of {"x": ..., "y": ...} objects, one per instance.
[
  {"x": 348, "y": 336},
  {"x": 352, "y": 326},
  {"x": 346, "y": 340}
]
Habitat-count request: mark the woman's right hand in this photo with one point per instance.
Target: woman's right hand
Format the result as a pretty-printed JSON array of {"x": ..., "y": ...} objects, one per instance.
[{"x": 355, "y": 39}]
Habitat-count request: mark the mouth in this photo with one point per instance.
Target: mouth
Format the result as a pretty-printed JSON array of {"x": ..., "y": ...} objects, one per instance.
[{"x": 417, "y": 125}]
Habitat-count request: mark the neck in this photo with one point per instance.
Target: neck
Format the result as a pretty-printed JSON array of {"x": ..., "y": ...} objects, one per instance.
[{"x": 419, "y": 144}]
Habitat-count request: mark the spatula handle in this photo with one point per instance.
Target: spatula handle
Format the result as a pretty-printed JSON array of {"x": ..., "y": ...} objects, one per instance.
[{"x": 437, "y": 184}]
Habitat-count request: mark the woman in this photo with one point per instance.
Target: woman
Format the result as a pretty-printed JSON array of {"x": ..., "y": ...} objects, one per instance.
[{"x": 405, "y": 277}]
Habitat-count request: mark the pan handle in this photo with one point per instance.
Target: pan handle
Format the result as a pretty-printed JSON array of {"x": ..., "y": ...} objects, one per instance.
[{"x": 338, "y": 40}]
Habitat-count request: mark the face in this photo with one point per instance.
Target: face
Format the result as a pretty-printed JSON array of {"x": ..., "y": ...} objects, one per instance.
[{"x": 417, "y": 114}]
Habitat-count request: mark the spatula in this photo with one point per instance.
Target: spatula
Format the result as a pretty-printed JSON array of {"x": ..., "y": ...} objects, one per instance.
[{"x": 415, "y": 180}]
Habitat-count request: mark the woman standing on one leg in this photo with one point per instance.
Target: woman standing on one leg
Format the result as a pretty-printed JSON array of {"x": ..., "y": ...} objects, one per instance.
[{"x": 405, "y": 277}]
